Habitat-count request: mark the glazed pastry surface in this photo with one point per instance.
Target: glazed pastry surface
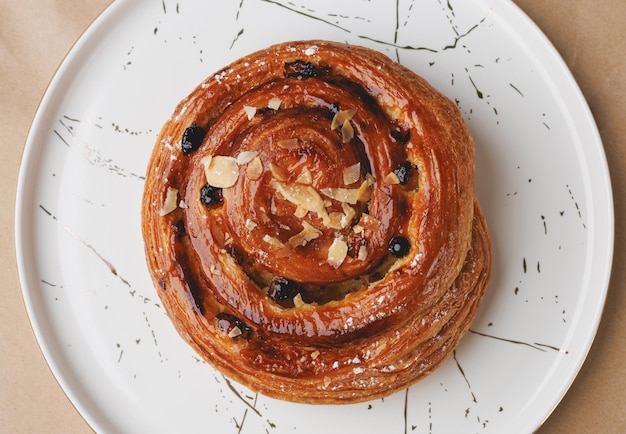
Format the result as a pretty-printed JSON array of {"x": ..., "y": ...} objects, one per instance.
[{"x": 311, "y": 226}]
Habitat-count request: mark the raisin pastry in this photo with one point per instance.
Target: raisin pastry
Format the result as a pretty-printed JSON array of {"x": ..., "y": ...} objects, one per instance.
[{"x": 311, "y": 225}]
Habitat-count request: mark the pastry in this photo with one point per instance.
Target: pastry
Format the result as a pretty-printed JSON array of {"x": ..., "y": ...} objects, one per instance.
[{"x": 311, "y": 226}]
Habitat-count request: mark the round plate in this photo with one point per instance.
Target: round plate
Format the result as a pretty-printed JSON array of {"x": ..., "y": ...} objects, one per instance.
[{"x": 541, "y": 177}]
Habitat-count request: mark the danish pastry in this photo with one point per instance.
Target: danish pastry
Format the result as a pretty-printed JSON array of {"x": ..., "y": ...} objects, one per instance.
[{"x": 311, "y": 226}]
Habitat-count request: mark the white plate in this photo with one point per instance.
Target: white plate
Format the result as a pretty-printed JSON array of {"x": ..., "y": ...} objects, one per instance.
[{"x": 542, "y": 179}]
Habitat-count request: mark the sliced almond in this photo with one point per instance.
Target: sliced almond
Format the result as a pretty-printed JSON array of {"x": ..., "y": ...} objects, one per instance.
[
  {"x": 274, "y": 103},
  {"x": 171, "y": 201},
  {"x": 308, "y": 233},
  {"x": 254, "y": 169},
  {"x": 250, "y": 111},
  {"x": 300, "y": 212},
  {"x": 272, "y": 241},
  {"x": 245, "y": 157},
  {"x": 370, "y": 221},
  {"x": 347, "y": 131},
  {"x": 351, "y": 174},
  {"x": 364, "y": 192},
  {"x": 234, "y": 332},
  {"x": 221, "y": 171},
  {"x": 347, "y": 195},
  {"x": 305, "y": 177},
  {"x": 228, "y": 240},
  {"x": 288, "y": 144},
  {"x": 315, "y": 354},
  {"x": 392, "y": 179},
  {"x": 330, "y": 223},
  {"x": 215, "y": 271},
  {"x": 334, "y": 220},
  {"x": 304, "y": 196},
  {"x": 362, "y": 255},
  {"x": 250, "y": 225},
  {"x": 327, "y": 382},
  {"x": 297, "y": 301},
  {"x": 357, "y": 229},
  {"x": 341, "y": 117},
  {"x": 337, "y": 252},
  {"x": 278, "y": 172},
  {"x": 206, "y": 161},
  {"x": 348, "y": 215}
]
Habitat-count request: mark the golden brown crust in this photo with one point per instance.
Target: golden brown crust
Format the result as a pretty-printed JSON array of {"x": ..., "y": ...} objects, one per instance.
[{"x": 352, "y": 322}]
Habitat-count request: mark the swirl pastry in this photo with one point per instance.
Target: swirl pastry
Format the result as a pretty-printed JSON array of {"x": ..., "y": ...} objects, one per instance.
[{"x": 311, "y": 226}]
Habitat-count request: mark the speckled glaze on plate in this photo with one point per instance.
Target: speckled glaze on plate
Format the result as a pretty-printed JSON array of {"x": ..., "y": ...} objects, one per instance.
[{"x": 541, "y": 177}]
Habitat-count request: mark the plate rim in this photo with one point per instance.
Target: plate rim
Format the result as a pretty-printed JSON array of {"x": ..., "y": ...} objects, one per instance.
[{"x": 25, "y": 241}]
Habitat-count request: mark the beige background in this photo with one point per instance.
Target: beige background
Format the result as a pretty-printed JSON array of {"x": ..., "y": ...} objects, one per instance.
[{"x": 35, "y": 35}]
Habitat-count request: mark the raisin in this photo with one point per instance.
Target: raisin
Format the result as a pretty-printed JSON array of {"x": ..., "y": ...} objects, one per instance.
[
  {"x": 300, "y": 69},
  {"x": 404, "y": 171},
  {"x": 399, "y": 247},
  {"x": 281, "y": 289},
  {"x": 210, "y": 195},
  {"x": 227, "y": 323},
  {"x": 179, "y": 229},
  {"x": 192, "y": 139},
  {"x": 400, "y": 133}
]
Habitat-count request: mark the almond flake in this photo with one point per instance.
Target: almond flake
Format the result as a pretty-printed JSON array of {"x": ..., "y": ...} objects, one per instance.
[
  {"x": 278, "y": 172},
  {"x": 250, "y": 111},
  {"x": 357, "y": 229},
  {"x": 362, "y": 255},
  {"x": 370, "y": 221},
  {"x": 300, "y": 212},
  {"x": 250, "y": 225},
  {"x": 215, "y": 271},
  {"x": 352, "y": 174},
  {"x": 182, "y": 204},
  {"x": 392, "y": 178},
  {"x": 288, "y": 144},
  {"x": 348, "y": 195},
  {"x": 245, "y": 157},
  {"x": 308, "y": 233},
  {"x": 364, "y": 192},
  {"x": 305, "y": 177},
  {"x": 330, "y": 223},
  {"x": 341, "y": 117},
  {"x": 327, "y": 382},
  {"x": 234, "y": 332},
  {"x": 334, "y": 220},
  {"x": 206, "y": 161},
  {"x": 347, "y": 131},
  {"x": 315, "y": 354},
  {"x": 297, "y": 301},
  {"x": 274, "y": 104},
  {"x": 348, "y": 215},
  {"x": 274, "y": 242},
  {"x": 304, "y": 196},
  {"x": 337, "y": 252},
  {"x": 221, "y": 171},
  {"x": 170, "y": 204},
  {"x": 254, "y": 170}
]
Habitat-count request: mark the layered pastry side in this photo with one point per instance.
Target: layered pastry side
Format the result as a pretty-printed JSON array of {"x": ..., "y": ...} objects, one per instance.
[{"x": 311, "y": 225}]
